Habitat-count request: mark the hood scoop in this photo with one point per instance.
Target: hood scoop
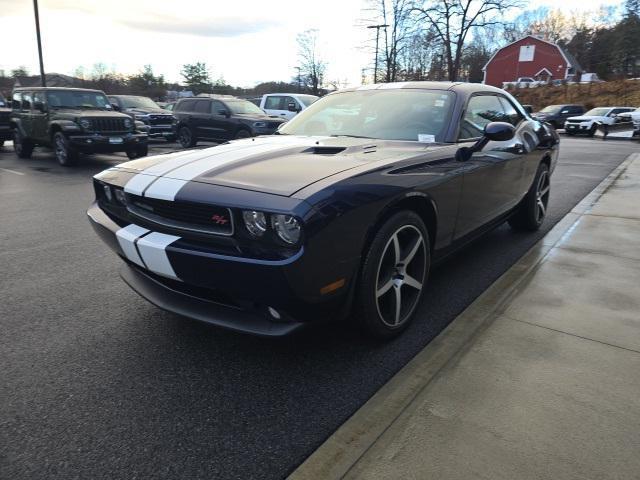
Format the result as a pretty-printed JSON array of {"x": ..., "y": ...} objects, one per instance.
[{"x": 321, "y": 150}]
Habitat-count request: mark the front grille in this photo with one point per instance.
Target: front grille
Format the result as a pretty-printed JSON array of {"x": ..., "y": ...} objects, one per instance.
[
  {"x": 195, "y": 217},
  {"x": 160, "y": 119},
  {"x": 4, "y": 117},
  {"x": 574, "y": 121},
  {"x": 108, "y": 124}
]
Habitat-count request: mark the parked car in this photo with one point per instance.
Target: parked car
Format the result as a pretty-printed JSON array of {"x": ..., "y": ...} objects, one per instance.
[
  {"x": 632, "y": 116},
  {"x": 523, "y": 82},
  {"x": 3, "y": 101},
  {"x": 588, "y": 123},
  {"x": 5, "y": 128},
  {"x": 556, "y": 115},
  {"x": 590, "y": 78},
  {"x": 72, "y": 121},
  {"x": 220, "y": 117},
  {"x": 268, "y": 234},
  {"x": 286, "y": 105},
  {"x": 159, "y": 122}
]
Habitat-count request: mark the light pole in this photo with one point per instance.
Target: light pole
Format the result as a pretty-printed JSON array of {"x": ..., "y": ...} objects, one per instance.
[
  {"x": 375, "y": 62},
  {"x": 42, "y": 76}
]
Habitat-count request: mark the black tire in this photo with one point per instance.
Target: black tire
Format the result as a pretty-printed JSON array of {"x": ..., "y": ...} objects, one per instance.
[
  {"x": 186, "y": 137},
  {"x": 592, "y": 131},
  {"x": 66, "y": 155},
  {"x": 386, "y": 275},
  {"x": 1, "y": 143},
  {"x": 21, "y": 145},
  {"x": 531, "y": 212},
  {"x": 243, "y": 133},
  {"x": 143, "y": 150}
]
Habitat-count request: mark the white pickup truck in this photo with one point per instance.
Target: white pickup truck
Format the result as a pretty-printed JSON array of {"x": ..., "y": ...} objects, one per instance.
[
  {"x": 523, "y": 82},
  {"x": 285, "y": 105}
]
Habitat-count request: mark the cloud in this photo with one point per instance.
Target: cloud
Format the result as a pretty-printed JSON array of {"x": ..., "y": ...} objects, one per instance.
[{"x": 214, "y": 28}]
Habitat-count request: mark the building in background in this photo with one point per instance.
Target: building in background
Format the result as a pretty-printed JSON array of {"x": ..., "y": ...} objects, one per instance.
[{"x": 530, "y": 57}]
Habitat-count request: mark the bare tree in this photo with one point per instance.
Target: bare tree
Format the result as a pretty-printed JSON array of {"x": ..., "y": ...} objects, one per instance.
[
  {"x": 397, "y": 36},
  {"x": 312, "y": 66},
  {"x": 454, "y": 20}
]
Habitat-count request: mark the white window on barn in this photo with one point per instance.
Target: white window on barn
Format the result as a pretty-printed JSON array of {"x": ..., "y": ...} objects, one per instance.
[{"x": 526, "y": 53}]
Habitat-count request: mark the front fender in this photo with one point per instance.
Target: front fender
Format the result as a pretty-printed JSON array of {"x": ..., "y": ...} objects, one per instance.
[{"x": 65, "y": 126}]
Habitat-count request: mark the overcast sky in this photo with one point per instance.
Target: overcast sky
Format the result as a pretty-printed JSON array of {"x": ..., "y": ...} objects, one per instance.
[{"x": 245, "y": 41}]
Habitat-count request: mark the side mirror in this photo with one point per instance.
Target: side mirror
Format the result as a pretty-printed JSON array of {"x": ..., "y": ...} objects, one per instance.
[
  {"x": 292, "y": 107},
  {"x": 115, "y": 107},
  {"x": 499, "y": 131},
  {"x": 224, "y": 112},
  {"x": 39, "y": 106},
  {"x": 493, "y": 132}
]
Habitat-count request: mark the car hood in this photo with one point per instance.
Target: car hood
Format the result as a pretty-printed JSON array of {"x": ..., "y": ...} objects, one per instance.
[
  {"x": 147, "y": 111},
  {"x": 70, "y": 113},
  {"x": 280, "y": 165},
  {"x": 586, "y": 118}
]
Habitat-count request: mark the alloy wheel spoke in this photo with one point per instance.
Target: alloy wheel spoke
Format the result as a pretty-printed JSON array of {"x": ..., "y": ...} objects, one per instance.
[
  {"x": 398, "y": 304},
  {"x": 385, "y": 288},
  {"x": 396, "y": 248},
  {"x": 413, "y": 251},
  {"x": 544, "y": 191},
  {"x": 541, "y": 207},
  {"x": 412, "y": 282}
]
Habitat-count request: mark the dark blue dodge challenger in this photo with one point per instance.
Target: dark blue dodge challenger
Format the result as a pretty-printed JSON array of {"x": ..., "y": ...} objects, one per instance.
[{"x": 342, "y": 213}]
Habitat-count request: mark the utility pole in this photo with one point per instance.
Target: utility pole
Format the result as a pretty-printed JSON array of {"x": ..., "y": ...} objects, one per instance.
[
  {"x": 43, "y": 79},
  {"x": 299, "y": 82},
  {"x": 375, "y": 63}
]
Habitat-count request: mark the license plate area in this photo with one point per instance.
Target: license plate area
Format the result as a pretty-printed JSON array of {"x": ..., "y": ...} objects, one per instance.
[{"x": 115, "y": 140}]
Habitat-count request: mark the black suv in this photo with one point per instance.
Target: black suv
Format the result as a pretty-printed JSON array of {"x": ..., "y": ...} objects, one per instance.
[
  {"x": 220, "y": 117},
  {"x": 556, "y": 115},
  {"x": 71, "y": 121},
  {"x": 5, "y": 129},
  {"x": 159, "y": 122}
]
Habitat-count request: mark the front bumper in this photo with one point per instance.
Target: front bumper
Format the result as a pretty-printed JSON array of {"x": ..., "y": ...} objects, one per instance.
[
  {"x": 5, "y": 132},
  {"x": 160, "y": 131},
  {"x": 577, "y": 127},
  {"x": 98, "y": 143},
  {"x": 231, "y": 292}
]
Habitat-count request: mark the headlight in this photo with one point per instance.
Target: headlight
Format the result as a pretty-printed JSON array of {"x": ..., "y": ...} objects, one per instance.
[
  {"x": 128, "y": 123},
  {"x": 256, "y": 222},
  {"x": 107, "y": 192},
  {"x": 287, "y": 227},
  {"x": 260, "y": 124},
  {"x": 120, "y": 197},
  {"x": 85, "y": 123}
]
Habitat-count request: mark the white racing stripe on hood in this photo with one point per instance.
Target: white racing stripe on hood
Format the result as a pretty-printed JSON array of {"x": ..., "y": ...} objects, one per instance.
[
  {"x": 166, "y": 188},
  {"x": 140, "y": 182}
]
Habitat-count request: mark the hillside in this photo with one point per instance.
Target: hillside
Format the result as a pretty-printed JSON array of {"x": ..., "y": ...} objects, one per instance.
[{"x": 615, "y": 93}]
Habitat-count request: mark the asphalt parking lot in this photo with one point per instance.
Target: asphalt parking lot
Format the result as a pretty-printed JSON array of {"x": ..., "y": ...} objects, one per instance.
[{"x": 97, "y": 383}]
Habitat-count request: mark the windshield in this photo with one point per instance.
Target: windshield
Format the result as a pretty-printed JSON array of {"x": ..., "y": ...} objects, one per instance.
[
  {"x": 307, "y": 99},
  {"x": 77, "y": 99},
  {"x": 398, "y": 114},
  {"x": 243, "y": 107},
  {"x": 138, "y": 102},
  {"x": 551, "y": 109},
  {"x": 598, "y": 112}
]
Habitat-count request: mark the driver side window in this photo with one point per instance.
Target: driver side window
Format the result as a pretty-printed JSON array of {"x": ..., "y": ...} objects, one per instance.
[{"x": 481, "y": 110}]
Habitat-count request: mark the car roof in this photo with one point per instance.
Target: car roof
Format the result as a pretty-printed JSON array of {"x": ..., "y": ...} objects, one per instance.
[
  {"x": 461, "y": 87},
  {"x": 38, "y": 89}
]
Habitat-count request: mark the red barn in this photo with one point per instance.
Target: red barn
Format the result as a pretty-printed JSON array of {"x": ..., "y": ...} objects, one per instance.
[{"x": 530, "y": 57}]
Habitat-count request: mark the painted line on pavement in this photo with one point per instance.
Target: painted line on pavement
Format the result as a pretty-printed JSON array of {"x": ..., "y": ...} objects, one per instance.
[{"x": 12, "y": 171}]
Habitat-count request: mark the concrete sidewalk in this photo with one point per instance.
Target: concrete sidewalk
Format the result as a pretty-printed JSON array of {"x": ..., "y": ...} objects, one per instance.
[{"x": 538, "y": 379}]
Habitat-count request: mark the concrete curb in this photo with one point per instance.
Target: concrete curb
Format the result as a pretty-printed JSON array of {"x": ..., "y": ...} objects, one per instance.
[{"x": 342, "y": 450}]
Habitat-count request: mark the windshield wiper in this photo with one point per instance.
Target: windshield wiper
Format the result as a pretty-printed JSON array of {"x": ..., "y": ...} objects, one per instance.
[{"x": 351, "y": 136}]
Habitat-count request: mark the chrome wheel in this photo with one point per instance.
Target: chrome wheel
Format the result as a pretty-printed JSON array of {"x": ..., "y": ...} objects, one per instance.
[
  {"x": 401, "y": 275},
  {"x": 60, "y": 149},
  {"x": 542, "y": 196}
]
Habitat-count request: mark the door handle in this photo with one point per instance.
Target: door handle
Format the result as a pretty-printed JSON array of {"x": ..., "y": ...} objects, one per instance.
[{"x": 283, "y": 114}]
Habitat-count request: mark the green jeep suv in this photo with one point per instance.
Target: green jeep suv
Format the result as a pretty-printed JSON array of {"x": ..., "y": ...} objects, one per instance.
[{"x": 72, "y": 121}]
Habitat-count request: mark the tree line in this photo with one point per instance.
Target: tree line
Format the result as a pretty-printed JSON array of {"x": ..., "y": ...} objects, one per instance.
[{"x": 453, "y": 39}]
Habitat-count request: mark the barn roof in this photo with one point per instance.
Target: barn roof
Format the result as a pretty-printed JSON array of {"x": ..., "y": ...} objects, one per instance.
[{"x": 570, "y": 59}]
